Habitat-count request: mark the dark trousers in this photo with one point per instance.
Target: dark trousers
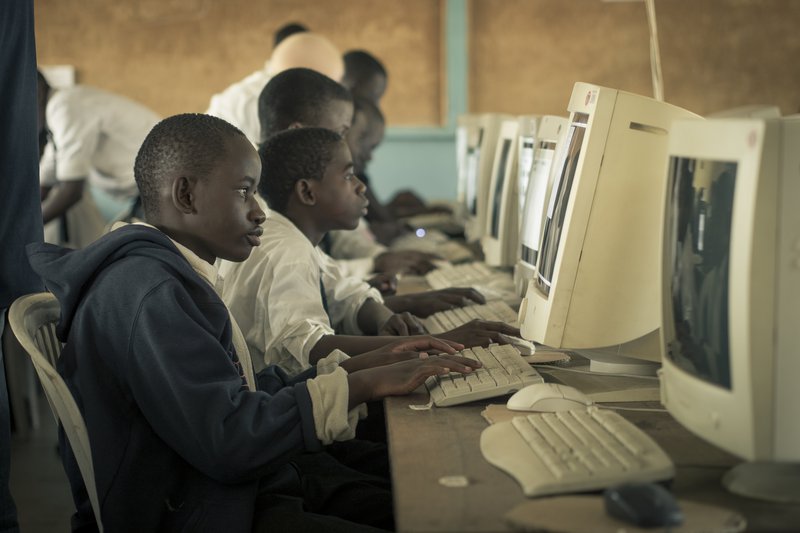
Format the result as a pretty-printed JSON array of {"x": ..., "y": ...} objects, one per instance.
[{"x": 345, "y": 489}]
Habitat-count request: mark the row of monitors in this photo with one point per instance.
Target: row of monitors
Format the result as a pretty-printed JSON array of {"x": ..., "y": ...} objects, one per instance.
[{"x": 646, "y": 234}]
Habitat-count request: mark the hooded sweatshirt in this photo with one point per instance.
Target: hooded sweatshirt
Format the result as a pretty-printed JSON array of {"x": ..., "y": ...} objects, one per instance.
[{"x": 178, "y": 441}]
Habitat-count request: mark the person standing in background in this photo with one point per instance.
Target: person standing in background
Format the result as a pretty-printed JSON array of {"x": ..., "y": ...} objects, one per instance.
[
  {"x": 92, "y": 139},
  {"x": 20, "y": 222}
]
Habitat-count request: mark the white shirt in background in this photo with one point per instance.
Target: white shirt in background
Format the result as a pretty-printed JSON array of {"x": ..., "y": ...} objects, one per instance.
[
  {"x": 355, "y": 250},
  {"x": 96, "y": 135},
  {"x": 275, "y": 297},
  {"x": 238, "y": 104}
]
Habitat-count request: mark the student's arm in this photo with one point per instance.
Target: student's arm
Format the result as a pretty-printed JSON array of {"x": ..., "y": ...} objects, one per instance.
[
  {"x": 480, "y": 333},
  {"x": 352, "y": 345},
  {"x": 374, "y": 318},
  {"x": 424, "y": 304},
  {"x": 61, "y": 198}
]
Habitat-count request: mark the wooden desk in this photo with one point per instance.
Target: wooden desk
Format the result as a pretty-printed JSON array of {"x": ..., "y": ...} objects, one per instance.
[{"x": 428, "y": 445}]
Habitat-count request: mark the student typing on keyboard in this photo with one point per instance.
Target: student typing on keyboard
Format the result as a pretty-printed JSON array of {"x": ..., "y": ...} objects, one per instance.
[{"x": 288, "y": 297}]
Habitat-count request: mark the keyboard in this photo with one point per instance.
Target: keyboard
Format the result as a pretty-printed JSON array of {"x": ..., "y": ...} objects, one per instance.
[
  {"x": 504, "y": 371},
  {"x": 434, "y": 243},
  {"x": 574, "y": 451},
  {"x": 464, "y": 275},
  {"x": 443, "y": 221},
  {"x": 497, "y": 311}
]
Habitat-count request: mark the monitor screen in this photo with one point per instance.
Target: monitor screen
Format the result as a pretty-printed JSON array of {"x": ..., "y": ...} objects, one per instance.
[
  {"x": 473, "y": 156},
  {"x": 559, "y": 200},
  {"x": 525, "y": 162},
  {"x": 498, "y": 190},
  {"x": 535, "y": 197},
  {"x": 700, "y": 227}
]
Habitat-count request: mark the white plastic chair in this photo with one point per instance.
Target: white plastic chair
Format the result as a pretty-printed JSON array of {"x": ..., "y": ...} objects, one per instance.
[{"x": 33, "y": 320}]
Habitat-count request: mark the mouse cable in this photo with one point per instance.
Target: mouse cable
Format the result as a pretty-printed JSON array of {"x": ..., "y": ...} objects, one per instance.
[
  {"x": 589, "y": 372},
  {"x": 644, "y": 409}
]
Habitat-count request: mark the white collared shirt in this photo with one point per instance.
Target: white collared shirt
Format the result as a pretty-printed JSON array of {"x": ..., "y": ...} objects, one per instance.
[
  {"x": 274, "y": 295},
  {"x": 238, "y": 104},
  {"x": 95, "y": 135},
  {"x": 355, "y": 250}
]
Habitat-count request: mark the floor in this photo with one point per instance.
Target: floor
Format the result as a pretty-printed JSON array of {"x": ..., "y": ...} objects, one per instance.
[{"x": 38, "y": 482}]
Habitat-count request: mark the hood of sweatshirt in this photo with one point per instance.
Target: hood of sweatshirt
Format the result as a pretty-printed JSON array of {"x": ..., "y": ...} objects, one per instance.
[{"x": 69, "y": 273}]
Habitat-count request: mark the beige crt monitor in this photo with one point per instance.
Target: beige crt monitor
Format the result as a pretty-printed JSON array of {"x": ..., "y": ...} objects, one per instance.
[
  {"x": 596, "y": 287},
  {"x": 480, "y": 174},
  {"x": 730, "y": 275},
  {"x": 500, "y": 238},
  {"x": 466, "y": 157},
  {"x": 527, "y": 128},
  {"x": 550, "y": 136}
]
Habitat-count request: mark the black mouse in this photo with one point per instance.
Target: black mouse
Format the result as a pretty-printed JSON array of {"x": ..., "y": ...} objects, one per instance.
[{"x": 643, "y": 504}]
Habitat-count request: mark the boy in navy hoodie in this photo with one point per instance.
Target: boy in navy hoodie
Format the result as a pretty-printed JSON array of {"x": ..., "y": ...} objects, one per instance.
[{"x": 184, "y": 436}]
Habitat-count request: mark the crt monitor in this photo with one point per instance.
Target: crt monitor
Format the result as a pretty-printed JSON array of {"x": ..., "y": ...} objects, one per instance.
[
  {"x": 730, "y": 286},
  {"x": 527, "y": 128},
  {"x": 466, "y": 157},
  {"x": 596, "y": 286},
  {"x": 550, "y": 136},
  {"x": 480, "y": 173},
  {"x": 500, "y": 234}
]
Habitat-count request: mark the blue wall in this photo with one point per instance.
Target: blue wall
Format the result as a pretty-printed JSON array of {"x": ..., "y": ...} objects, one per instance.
[{"x": 423, "y": 159}]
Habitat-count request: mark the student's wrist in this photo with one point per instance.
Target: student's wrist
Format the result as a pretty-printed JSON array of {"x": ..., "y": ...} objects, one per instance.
[{"x": 361, "y": 389}]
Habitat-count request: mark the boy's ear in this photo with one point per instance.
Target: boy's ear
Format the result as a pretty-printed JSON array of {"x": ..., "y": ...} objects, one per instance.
[
  {"x": 183, "y": 197},
  {"x": 304, "y": 189}
]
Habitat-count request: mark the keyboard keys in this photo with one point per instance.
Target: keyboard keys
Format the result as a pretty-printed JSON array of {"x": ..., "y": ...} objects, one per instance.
[
  {"x": 496, "y": 311},
  {"x": 504, "y": 371},
  {"x": 572, "y": 451}
]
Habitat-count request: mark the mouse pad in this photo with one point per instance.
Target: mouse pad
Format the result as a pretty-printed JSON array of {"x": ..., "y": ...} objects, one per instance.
[{"x": 579, "y": 514}]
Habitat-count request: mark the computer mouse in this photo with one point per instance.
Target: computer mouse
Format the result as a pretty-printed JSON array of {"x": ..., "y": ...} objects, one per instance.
[
  {"x": 643, "y": 504},
  {"x": 548, "y": 397}
]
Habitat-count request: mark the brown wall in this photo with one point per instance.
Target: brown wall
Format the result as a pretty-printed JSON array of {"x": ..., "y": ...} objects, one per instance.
[
  {"x": 526, "y": 54},
  {"x": 174, "y": 54}
]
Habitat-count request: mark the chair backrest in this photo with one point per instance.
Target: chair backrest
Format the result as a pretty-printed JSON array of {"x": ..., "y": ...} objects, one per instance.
[{"x": 33, "y": 320}]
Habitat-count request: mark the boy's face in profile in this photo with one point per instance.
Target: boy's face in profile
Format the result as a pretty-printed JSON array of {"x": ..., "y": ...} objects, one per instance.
[
  {"x": 363, "y": 138},
  {"x": 341, "y": 196},
  {"x": 228, "y": 219}
]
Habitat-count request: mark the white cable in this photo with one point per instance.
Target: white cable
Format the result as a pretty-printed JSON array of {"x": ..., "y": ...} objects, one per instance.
[
  {"x": 589, "y": 372},
  {"x": 655, "y": 54}
]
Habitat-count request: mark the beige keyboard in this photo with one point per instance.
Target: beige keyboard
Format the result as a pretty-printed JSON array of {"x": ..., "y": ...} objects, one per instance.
[
  {"x": 464, "y": 275},
  {"x": 504, "y": 371},
  {"x": 574, "y": 451},
  {"x": 434, "y": 243},
  {"x": 497, "y": 311}
]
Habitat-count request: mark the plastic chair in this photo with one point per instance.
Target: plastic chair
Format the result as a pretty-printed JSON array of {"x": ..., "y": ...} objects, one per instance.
[{"x": 33, "y": 320}]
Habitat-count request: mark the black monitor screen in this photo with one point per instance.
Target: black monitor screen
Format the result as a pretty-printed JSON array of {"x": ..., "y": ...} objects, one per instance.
[
  {"x": 498, "y": 188},
  {"x": 698, "y": 240}
]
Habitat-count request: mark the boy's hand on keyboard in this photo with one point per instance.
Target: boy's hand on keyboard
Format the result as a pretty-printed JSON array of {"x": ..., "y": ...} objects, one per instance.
[
  {"x": 405, "y": 262},
  {"x": 402, "y": 324},
  {"x": 404, "y": 377},
  {"x": 424, "y": 304},
  {"x": 480, "y": 333},
  {"x": 402, "y": 350}
]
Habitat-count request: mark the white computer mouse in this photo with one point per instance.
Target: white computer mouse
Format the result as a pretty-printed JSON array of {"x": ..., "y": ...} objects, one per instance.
[{"x": 548, "y": 397}]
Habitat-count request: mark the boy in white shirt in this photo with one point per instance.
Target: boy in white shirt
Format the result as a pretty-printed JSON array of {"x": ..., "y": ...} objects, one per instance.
[
  {"x": 289, "y": 296},
  {"x": 92, "y": 139}
]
